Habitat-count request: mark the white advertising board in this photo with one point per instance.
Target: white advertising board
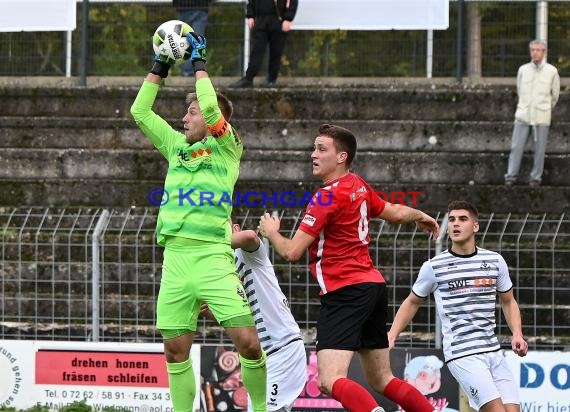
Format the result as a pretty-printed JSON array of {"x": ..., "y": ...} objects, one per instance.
[
  {"x": 37, "y": 15},
  {"x": 118, "y": 375},
  {"x": 60, "y": 15},
  {"x": 543, "y": 379},
  {"x": 372, "y": 15}
]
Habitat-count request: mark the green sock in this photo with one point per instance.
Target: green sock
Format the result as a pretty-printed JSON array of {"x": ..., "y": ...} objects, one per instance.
[
  {"x": 182, "y": 385},
  {"x": 254, "y": 376}
]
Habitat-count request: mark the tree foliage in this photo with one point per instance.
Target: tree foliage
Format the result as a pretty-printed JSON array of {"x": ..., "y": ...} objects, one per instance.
[{"x": 119, "y": 43}]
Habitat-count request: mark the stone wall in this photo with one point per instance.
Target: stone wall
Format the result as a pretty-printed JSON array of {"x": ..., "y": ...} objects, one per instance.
[{"x": 64, "y": 145}]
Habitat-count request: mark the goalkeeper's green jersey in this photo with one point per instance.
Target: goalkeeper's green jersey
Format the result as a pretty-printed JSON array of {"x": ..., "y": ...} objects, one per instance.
[{"x": 201, "y": 176}]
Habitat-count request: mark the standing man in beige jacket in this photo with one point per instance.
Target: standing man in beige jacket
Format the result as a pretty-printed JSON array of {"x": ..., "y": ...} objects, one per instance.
[{"x": 538, "y": 87}]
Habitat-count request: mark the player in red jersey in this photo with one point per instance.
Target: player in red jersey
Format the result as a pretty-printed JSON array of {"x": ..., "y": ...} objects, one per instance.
[{"x": 353, "y": 292}]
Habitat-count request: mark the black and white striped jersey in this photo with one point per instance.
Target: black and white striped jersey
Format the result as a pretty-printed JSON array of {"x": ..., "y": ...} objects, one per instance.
[
  {"x": 273, "y": 319},
  {"x": 465, "y": 290}
]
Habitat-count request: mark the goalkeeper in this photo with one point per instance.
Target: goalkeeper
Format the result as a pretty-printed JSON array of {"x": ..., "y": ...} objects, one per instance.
[{"x": 198, "y": 261}]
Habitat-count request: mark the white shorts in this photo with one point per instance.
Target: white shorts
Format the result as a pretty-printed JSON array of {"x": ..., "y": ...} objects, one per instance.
[
  {"x": 286, "y": 376},
  {"x": 485, "y": 377}
]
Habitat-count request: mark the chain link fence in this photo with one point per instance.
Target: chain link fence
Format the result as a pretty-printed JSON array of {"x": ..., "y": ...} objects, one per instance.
[
  {"x": 118, "y": 43},
  {"x": 48, "y": 264}
]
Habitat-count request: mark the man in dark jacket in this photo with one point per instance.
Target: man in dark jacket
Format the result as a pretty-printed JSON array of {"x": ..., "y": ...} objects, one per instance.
[
  {"x": 195, "y": 13},
  {"x": 269, "y": 21}
]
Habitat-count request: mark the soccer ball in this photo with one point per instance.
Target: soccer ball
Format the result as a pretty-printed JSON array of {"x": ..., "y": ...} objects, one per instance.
[{"x": 169, "y": 40}]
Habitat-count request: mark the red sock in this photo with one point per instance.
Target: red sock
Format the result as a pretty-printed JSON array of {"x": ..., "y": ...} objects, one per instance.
[
  {"x": 353, "y": 396},
  {"x": 408, "y": 397}
]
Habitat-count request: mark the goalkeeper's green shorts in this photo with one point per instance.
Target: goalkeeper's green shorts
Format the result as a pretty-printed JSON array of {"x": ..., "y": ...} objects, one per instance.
[{"x": 203, "y": 272}]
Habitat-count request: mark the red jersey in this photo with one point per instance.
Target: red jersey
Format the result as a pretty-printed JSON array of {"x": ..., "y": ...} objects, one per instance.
[{"x": 339, "y": 219}]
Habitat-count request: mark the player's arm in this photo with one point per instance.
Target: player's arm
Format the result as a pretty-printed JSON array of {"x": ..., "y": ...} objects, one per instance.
[
  {"x": 510, "y": 307},
  {"x": 162, "y": 135},
  {"x": 513, "y": 316},
  {"x": 290, "y": 249},
  {"x": 246, "y": 240},
  {"x": 423, "y": 286},
  {"x": 142, "y": 106},
  {"x": 153, "y": 78},
  {"x": 205, "y": 92},
  {"x": 404, "y": 316},
  {"x": 404, "y": 214},
  {"x": 218, "y": 126}
]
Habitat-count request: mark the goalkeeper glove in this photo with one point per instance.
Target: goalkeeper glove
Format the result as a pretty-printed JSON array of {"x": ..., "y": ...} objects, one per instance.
[
  {"x": 198, "y": 55},
  {"x": 161, "y": 65}
]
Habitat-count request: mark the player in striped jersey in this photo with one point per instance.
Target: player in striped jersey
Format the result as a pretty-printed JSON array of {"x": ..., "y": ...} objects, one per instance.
[
  {"x": 465, "y": 280},
  {"x": 353, "y": 309},
  {"x": 278, "y": 331},
  {"x": 198, "y": 263}
]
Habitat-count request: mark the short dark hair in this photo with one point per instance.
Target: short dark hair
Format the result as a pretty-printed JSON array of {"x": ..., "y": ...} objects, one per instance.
[
  {"x": 225, "y": 104},
  {"x": 343, "y": 139},
  {"x": 462, "y": 204}
]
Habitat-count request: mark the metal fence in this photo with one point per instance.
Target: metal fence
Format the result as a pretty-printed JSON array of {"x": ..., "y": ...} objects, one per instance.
[
  {"x": 118, "y": 43},
  {"x": 48, "y": 264}
]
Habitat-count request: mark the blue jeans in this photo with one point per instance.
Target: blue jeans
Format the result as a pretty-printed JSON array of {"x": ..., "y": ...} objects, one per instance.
[{"x": 197, "y": 19}]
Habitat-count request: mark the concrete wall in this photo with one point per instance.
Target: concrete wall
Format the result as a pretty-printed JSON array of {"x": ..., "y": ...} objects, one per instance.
[{"x": 70, "y": 146}]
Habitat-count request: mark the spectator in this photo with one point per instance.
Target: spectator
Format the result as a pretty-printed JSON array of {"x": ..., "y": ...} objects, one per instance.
[
  {"x": 538, "y": 87},
  {"x": 269, "y": 21},
  {"x": 195, "y": 13}
]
